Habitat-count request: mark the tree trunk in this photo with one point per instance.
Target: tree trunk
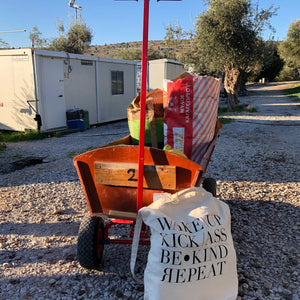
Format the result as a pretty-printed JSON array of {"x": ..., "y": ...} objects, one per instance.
[
  {"x": 232, "y": 101},
  {"x": 231, "y": 84},
  {"x": 242, "y": 83}
]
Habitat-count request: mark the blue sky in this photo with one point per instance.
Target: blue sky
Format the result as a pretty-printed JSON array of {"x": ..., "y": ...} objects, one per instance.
[{"x": 117, "y": 21}]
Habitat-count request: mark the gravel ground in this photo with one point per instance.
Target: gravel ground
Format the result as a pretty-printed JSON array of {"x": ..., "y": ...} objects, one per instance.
[{"x": 256, "y": 165}]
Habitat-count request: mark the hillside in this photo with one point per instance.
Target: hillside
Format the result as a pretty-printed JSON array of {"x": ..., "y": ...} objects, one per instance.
[
  {"x": 113, "y": 50},
  {"x": 132, "y": 50}
]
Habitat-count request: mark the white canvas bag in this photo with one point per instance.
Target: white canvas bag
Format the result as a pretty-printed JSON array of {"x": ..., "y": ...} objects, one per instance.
[{"x": 191, "y": 255}]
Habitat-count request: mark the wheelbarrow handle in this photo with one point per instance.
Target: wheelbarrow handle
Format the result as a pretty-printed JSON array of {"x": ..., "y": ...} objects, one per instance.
[{"x": 143, "y": 105}]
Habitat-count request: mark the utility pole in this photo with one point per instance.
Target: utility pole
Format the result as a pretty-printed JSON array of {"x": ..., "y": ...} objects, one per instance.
[{"x": 76, "y": 7}]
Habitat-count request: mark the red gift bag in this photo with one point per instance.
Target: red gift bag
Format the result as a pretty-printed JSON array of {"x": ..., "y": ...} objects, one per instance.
[{"x": 191, "y": 108}]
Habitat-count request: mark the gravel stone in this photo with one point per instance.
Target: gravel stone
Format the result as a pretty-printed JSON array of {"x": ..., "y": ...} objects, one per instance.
[{"x": 256, "y": 164}]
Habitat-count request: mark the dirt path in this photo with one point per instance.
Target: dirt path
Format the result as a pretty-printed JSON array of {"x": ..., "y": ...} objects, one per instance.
[
  {"x": 270, "y": 101},
  {"x": 253, "y": 140}
]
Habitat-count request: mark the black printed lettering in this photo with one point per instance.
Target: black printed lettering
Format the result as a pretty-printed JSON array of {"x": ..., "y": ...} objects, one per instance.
[
  {"x": 224, "y": 235},
  {"x": 198, "y": 225},
  {"x": 165, "y": 256},
  {"x": 167, "y": 275},
  {"x": 220, "y": 264},
  {"x": 192, "y": 273},
  {"x": 165, "y": 223},
  {"x": 201, "y": 272},
  {"x": 180, "y": 276},
  {"x": 163, "y": 240}
]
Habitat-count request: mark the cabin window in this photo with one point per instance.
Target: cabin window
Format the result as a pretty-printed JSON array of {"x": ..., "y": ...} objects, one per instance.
[{"x": 117, "y": 82}]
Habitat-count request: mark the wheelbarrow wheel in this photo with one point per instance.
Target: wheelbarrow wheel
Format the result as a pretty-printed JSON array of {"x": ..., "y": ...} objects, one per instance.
[
  {"x": 210, "y": 185},
  {"x": 90, "y": 242}
]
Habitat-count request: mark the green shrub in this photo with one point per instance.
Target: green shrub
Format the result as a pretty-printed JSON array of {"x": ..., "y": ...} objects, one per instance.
[
  {"x": 71, "y": 154},
  {"x": 288, "y": 74},
  {"x": 239, "y": 108},
  {"x": 22, "y": 136},
  {"x": 225, "y": 120},
  {"x": 294, "y": 92},
  {"x": 2, "y": 147}
]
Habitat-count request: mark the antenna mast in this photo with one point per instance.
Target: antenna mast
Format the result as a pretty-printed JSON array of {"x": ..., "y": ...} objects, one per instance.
[{"x": 76, "y": 7}]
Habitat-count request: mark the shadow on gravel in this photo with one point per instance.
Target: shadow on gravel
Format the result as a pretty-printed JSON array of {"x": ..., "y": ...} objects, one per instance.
[
  {"x": 264, "y": 234},
  {"x": 20, "y": 164},
  {"x": 75, "y": 286},
  {"x": 45, "y": 255},
  {"x": 41, "y": 229},
  {"x": 267, "y": 247}
]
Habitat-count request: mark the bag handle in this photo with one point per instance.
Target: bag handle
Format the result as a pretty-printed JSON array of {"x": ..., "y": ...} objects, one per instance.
[{"x": 135, "y": 245}]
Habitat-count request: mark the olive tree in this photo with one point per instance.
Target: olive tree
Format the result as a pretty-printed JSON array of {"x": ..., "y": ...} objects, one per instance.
[
  {"x": 177, "y": 42},
  {"x": 228, "y": 39},
  {"x": 76, "y": 40},
  {"x": 271, "y": 64},
  {"x": 289, "y": 49},
  {"x": 36, "y": 37},
  {"x": 3, "y": 44}
]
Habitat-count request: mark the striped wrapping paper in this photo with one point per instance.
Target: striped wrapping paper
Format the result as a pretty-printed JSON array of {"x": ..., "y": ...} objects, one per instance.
[{"x": 191, "y": 113}]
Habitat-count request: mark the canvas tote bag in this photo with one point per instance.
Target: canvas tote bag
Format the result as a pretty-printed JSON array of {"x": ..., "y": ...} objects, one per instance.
[{"x": 192, "y": 256}]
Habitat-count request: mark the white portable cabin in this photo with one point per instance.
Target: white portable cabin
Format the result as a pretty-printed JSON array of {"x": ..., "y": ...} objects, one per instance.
[
  {"x": 161, "y": 69},
  {"x": 48, "y": 83}
]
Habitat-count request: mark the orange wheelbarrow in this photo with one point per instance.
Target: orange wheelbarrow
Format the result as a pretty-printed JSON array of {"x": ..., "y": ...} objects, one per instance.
[{"x": 109, "y": 177}]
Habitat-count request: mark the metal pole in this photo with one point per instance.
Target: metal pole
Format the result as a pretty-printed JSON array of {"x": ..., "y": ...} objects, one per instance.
[
  {"x": 10, "y": 31},
  {"x": 143, "y": 106}
]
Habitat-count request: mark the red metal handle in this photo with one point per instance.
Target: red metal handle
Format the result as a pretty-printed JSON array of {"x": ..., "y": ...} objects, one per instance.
[{"x": 143, "y": 105}]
